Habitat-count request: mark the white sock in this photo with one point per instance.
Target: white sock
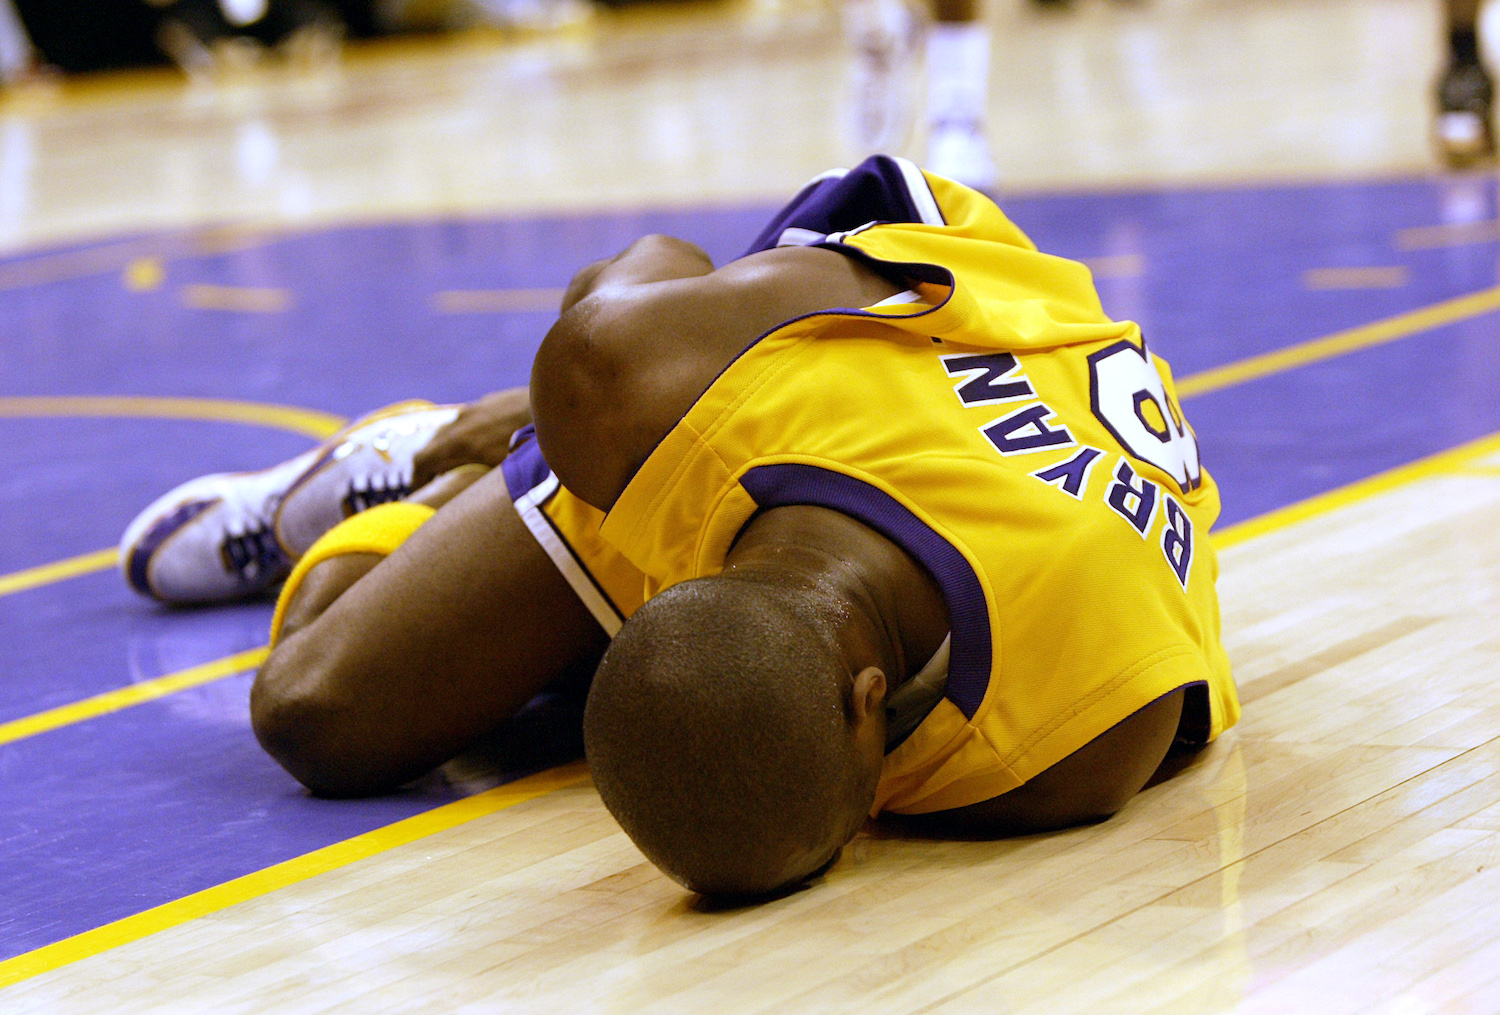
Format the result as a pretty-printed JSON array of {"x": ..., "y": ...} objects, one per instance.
[{"x": 958, "y": 71}]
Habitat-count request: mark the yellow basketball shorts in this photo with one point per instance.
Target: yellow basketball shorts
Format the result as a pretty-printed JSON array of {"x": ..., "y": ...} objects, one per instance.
[{"x": 568, "y": 530}]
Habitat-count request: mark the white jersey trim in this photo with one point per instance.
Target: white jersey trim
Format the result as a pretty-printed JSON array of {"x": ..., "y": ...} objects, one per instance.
[{"x": 900, "y": 299}]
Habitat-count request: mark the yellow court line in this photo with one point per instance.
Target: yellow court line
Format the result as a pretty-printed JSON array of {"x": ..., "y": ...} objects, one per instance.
[
  {"x": 132, "y": 694},
  {"x": 1363, "y": 337},
  {"x": 1392, "y": 277},
  {"x": 309, "y": 422},
  {"x": 236, "y": 298},
  {"x": 1453, "y": 461},
  {"x": 1458, "y": 234},
  {"x": 45, "y": 269},
  {"x": 70, "y": 264},
  {"x": 263, "y": 882},
  {"x": 1116, "y": 265},
  {"x": 46, "y": 574}
]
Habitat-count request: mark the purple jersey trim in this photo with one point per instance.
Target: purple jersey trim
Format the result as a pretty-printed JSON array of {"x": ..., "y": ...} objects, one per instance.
[
  {"x": 968, "y": 613},
  {"x": 876, "y": 190},
  {"x": 524, "y": 468}
]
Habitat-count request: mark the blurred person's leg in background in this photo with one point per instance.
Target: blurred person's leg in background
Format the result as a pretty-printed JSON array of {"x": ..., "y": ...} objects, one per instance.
[
  {"x": 202, "y": 35},
  {"x": 16, "y": 54},
  {"x": 1463, "y": 128},
  {"x": 456, "y": 15},
  {"x": 886, "y": 36},
  {"x": 958, "y": 84}
]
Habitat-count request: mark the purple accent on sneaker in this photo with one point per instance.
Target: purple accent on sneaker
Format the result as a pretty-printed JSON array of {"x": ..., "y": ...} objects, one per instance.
[
  {"x": 524, "y": 468},
  {"x": 166, "y": 527},
  {"x": 313, "y": 469}
]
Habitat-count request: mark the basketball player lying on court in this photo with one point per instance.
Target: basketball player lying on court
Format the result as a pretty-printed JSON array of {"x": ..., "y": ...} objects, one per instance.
[{"x": 943, "y": 556}]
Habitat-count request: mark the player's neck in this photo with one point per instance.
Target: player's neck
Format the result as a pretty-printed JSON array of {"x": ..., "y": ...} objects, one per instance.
[{"x": 885, "y": 611}]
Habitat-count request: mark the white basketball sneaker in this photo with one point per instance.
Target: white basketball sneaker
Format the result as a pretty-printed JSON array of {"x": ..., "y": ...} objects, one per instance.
[
  {"x": 231, "y": 535},
  {"x": 370, "y": 463}
]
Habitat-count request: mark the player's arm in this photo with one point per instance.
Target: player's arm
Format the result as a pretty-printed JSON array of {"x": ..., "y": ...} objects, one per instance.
[
  {"x": 644, "y": 335},
  {"x": 480, "y": 435},
  {"x": 652, "y": 258},
  {"x": 1087, "y": 786},
  {"x": 331, "y": 578}
]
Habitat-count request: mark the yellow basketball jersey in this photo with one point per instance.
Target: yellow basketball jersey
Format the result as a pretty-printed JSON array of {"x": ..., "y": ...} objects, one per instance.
[{"x": 1026, "y": 449}]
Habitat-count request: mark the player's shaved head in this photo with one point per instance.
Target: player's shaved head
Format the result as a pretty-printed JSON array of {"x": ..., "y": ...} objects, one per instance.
[{"x": 719, "y": 732}]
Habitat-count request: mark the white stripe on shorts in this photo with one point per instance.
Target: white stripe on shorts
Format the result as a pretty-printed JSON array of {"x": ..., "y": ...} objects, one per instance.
[{"x": 528, "y": 506}]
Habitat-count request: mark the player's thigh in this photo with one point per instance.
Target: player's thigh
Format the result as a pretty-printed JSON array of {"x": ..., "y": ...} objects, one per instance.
[{"x": 436, "y": 645}]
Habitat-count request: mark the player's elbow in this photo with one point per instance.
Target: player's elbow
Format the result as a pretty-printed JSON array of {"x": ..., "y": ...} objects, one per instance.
[
  {"x": 307, "y": 730},
  {"x": 580, "y": 381}
]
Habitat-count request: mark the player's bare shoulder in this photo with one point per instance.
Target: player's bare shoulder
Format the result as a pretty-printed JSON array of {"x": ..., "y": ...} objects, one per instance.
[{"x": 650, "y": 332}]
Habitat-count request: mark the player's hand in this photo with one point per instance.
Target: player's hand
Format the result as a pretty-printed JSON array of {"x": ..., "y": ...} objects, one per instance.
[{"x": 479, "y": 436}]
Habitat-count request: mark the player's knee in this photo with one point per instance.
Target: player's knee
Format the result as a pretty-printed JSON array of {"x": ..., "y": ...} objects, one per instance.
[{"x": 305, "y": 728}]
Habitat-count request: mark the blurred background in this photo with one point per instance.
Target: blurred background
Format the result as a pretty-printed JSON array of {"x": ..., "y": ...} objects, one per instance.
[
  {"x": 211, "y": 210},
  {"x": 120, "y": 115}
]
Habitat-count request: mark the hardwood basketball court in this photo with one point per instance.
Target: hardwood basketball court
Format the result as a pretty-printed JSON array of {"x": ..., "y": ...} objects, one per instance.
[{"x": 206, "y": 276}]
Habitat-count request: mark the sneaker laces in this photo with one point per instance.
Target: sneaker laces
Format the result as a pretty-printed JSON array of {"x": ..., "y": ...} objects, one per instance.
[
  {"x": 362, "y": 498},
  {"x": 253, "y": 553}
]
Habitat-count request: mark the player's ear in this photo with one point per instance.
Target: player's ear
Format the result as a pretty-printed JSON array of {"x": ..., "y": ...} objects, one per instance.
[{"x": 869, "y": 694}]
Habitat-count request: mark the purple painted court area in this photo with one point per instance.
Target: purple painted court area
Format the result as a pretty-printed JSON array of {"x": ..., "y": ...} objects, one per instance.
[{"x": 114, "y": 815}]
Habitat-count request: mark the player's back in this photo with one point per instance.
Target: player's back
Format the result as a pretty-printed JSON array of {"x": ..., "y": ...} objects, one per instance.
[{"x": 1024, "y": 448}]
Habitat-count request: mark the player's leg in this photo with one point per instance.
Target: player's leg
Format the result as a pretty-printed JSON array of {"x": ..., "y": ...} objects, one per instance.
[
  {"x": 884, "y": 37},
  {"x": 1465, "y": 92},
  {"x": 17, "y": 55},
  {"x": 306, "y": 599},
  {"x": 958, "y": 78},
  {"x": 430, "y": 649}
]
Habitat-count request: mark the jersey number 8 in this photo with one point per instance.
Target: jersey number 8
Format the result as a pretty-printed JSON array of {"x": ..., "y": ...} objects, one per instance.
[{"x": 1131, "y": 401}]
